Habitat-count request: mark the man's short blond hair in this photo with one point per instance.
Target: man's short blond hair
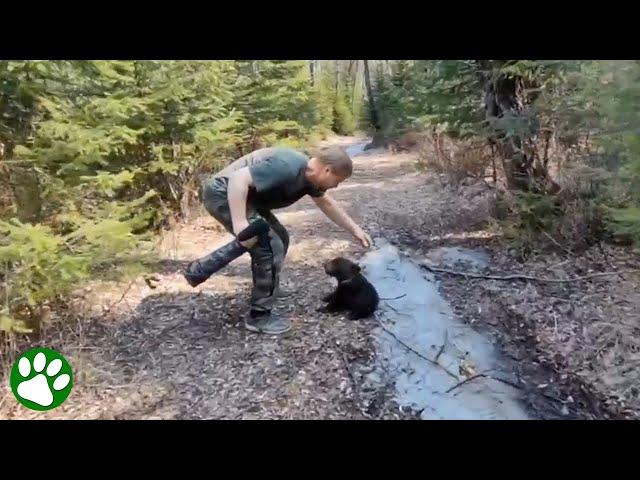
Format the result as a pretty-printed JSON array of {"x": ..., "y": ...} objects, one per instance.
[{"x": 336, "y": 158}]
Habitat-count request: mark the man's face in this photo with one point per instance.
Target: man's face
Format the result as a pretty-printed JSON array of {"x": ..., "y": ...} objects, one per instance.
[{"x": 326, "y": 179}]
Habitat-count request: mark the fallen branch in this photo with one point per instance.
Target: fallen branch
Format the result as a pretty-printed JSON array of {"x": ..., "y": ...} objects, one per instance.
[
  {"x": 556, "y": 243},
  {"x": 395, "y": 298},
  {"x": 527, "y": 390},
  {"x": 527, "y": 277},
  {"x": 459, "y": 384},
  {"x": 416, "y": 352},
  {"x": 556, "y": 265},
  {"x": 110, "y": 307},
  {"x": 394, "y": 309},
  {"x": 354, "y": 385},
  {"x": 506, "y": 382},
  {"x": 444, "y": 344}
]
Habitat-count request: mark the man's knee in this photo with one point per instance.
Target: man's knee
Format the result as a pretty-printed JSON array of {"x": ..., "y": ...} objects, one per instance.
[
  {"x": 278, "y": 247},
  {"x": 277, "y": 227},
  {"x": 282, "y": 234},
  {"x": 269, "y": 252}
]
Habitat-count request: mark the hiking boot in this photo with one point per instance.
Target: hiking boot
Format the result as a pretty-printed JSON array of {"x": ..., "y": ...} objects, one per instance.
[{"x": 267, "y": 323}]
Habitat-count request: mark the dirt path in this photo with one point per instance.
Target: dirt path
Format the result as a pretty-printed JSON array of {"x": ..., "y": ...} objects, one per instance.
[{"x": 177, "y": 352}]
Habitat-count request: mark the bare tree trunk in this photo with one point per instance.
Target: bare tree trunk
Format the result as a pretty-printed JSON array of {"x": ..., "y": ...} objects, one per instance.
[
  {"x": 312, "y": 72},
  {"x": 504, "y": 98},
  {"x": 379, "y": 71},
  {"x": 24, "y": 185},
  {"x": 372, "y": 104},
  {"x": 355, "y": 84},
  {"x": 26, "y": 193},
  {"x": 375, "y": 119}
]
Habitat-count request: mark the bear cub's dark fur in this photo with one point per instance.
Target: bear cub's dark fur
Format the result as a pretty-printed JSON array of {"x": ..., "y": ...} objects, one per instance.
[{"x": 354, "y": 294}]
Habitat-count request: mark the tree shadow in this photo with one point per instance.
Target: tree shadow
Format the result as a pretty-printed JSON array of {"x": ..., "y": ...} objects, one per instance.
[{"x": 195, "y": 347}]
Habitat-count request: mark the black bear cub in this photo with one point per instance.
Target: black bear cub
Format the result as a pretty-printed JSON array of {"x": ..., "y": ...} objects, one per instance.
[{"x": 354, "y": 294}]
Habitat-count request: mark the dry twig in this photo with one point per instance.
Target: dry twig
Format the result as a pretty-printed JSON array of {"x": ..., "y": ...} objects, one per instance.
[
  {"x": 415, "y": 351},
  {"x": 556, "y": 243},
  {"x": 527, "y": 277},
  {"x": 459, "y": 384},
  {"x": 395, "y": 298},
  {"x": 354, "y": 385},
  {"x": 110, "y": 307},
  {"x": 444, "y": 344},
  {"x": 506, "y": 382}
]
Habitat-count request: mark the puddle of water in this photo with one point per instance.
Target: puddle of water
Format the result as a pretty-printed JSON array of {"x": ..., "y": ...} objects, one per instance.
[
  {"x": 356, "y": 149},
  {"x": 420, "y": 319}
]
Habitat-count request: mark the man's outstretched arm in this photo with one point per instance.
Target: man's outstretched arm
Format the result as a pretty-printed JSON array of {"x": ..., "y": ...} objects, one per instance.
[
  {"x": 337, "y": 215},
  {"x": 238, "y": 190}
]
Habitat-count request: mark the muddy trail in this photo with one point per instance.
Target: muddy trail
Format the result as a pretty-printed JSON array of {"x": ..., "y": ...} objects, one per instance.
[{"x": 168, "y": 351}]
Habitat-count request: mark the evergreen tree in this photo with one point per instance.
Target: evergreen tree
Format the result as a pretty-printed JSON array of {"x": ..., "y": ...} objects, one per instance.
[{"x": 96, "y": 155}]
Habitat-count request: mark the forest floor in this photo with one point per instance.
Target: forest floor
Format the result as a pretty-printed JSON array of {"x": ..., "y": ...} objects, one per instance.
[{"x": 174, "y": 352}]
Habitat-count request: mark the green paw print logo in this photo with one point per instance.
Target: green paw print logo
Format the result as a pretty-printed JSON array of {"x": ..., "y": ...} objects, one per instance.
[{"x": 41, "y": 379}]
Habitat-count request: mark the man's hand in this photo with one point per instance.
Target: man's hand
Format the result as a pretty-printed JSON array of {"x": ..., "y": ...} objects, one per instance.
[
  {"x": 363, "y": 237},
  {"x": 335, "y": 213},
  {"x": 240, "y": 227}
]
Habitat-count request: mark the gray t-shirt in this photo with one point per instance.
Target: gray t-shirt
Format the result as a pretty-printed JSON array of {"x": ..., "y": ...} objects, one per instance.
[{"x": 278, "y": 175}]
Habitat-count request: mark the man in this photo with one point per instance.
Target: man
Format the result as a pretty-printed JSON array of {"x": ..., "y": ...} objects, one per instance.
[{"x": 265, "y": 180}]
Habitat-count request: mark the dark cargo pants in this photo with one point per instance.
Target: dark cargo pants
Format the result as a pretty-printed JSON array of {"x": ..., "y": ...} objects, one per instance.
[{"x": 266, "y": 259}]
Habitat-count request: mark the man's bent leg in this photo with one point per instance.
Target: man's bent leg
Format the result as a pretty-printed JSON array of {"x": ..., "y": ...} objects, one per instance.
[
  {"x": 265, "y": 261},
  {"x": 278, "y": 228},
  {"x": 265, "y": 265},
  {"x": 282, "y": 233},
  {"x": 214, "y": 199},
  {"x": 216, "y": 203}
]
